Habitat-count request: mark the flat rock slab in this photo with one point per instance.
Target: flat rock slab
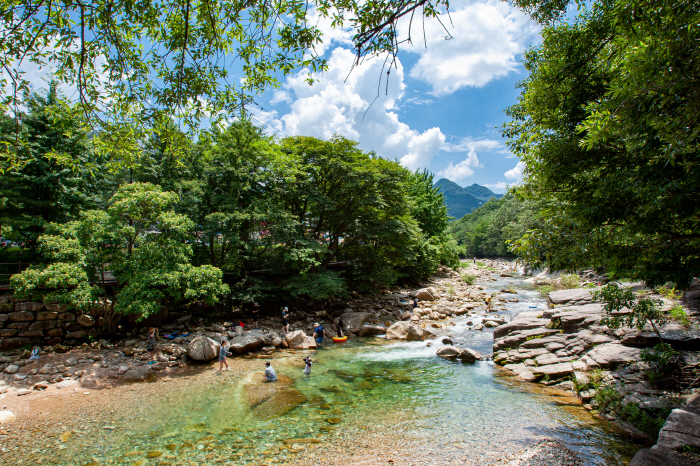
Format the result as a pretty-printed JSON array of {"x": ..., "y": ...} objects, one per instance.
[
  {"x": 546, "y": 359},
  {"x": 672, "y": 333},
  {"x": 610, "y": 354},
  {"x": 575, "y": 318},
  {"x": 523, "y": 321},
  {"x": 660, "y": 456},
  {"x": 554, "y": 370},
  {"x": 575, "y": 296}
]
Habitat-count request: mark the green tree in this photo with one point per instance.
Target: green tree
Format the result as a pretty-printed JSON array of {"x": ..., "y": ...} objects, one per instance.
[
  {"x": 607, "y": 127},
  {"x": 493, "y": 228},
  {"x": 233, "y": 194},
  {"x": 57, "y": 173},
  {"x": 140, "y": 240},
  {"x": 139, "y": 63}
]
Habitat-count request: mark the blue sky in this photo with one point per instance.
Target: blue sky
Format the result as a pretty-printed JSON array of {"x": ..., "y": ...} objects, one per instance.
[
  {"x": 442, "y": 106},
  {"x": 440, "y": 109}
]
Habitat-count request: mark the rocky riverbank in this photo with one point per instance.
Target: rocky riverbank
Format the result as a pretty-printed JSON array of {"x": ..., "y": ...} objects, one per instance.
[
  {"x": 189, "y": 339},
  {"x": 70, "y": 376},
  {"x": 569, "y": 347}
]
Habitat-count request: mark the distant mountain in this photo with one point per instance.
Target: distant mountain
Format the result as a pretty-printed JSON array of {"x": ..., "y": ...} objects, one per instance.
[{"x": 462, "y": 201}]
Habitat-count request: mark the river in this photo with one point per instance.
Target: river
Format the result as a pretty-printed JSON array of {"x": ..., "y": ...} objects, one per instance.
[{"x": 369, "y": 399}]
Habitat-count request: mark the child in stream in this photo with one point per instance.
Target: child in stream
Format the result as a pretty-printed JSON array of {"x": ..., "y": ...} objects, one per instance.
[
  {"x": 223, "y": 353},
  {"x": 151, "y": 345},
  {"x": 307, "y": 369}
]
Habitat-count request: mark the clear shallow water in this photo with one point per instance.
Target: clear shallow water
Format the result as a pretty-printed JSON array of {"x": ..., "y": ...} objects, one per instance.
[{"x": 446, "y": 411}]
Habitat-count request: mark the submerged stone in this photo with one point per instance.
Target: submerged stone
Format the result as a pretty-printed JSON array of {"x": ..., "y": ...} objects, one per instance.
[{"x": 272, "y": 399}]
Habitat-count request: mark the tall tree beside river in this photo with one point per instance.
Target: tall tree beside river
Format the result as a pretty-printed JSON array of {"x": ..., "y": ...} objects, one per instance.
[
  {"x": 608, "y": 127},
  {"x": 301, "y": 217}
]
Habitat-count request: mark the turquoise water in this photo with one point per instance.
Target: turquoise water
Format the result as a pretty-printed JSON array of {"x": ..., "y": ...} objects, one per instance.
[{"x": 471, "y": 414}]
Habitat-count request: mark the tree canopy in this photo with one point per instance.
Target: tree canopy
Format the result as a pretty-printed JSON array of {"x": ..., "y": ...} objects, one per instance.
[
  {"x": 607, "y": 125},
  {"x": 493, "y": 228},
  {"x": 232, "y": 214},
  {"x": 137, "y": 65}
]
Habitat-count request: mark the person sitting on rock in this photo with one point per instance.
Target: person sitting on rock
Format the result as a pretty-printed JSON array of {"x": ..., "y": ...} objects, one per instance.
[
  {"x": 415, "y": 303},
  {"x": 270, "y": 375}
]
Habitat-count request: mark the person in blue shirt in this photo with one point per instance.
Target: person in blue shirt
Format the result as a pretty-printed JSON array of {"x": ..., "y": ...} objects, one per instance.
[
  {"x": 223, "y": 352},
  {"x": 319, "y": 333},
  {"x": 270, "y": 375}
]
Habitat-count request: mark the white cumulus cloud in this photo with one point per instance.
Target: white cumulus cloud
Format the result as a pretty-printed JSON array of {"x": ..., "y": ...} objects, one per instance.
[
  {"x": 483, "y": 45},
  {"x": 515, "y": 173},
  {"x": 343, "y": 103}
]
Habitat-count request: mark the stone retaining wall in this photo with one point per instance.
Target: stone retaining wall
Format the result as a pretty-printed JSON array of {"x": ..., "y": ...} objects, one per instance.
[{"x": 32, "y": 323}]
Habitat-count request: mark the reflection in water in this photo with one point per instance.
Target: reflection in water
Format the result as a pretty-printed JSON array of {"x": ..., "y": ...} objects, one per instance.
[{"x": 459, "y": 411}]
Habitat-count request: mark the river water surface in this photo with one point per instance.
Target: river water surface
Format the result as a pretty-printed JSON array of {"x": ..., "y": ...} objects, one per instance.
[{"x": 444, "y": 412}]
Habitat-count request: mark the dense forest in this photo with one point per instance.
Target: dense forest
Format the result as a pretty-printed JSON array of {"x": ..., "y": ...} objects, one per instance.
[
  {"x": 492, "y": 229},
  {"x": 607, "y": 127},
  {"x": 234, "y": 213}
]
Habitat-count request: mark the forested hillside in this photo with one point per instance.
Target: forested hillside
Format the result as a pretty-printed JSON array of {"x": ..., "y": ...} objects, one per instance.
[
  {"x": 607, "y": 127},
  {"x": 461, "y": 201},
  {"x": 274, "y": 219},
  {"x": 492, "y": 229}
]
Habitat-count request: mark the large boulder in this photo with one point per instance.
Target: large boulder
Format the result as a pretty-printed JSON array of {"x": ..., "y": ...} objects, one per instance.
[
  {"x": 368, "y": 330},
  {"x": 300, "y": 340},
  {"x": 353, "y": 321},
  {"x": 86, "y": 320},
  {"x": 6, "y": 416},
  {"x": 203, "y": 348},
  {"x": 682, "y": 429},
  {"x": 448, "y": 352},
  {"x": 469, "y": 355},
  {"x": 404, "y": 331},
  {"x": 447, "y": 310},
  {"x": 249, "y": 341},
  {"x": 660, "y": 456},
  {"x": 427, "y": 294}
]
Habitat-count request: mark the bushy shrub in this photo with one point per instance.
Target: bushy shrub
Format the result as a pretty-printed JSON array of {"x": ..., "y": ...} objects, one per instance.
[{"x": 570, "y": 281}]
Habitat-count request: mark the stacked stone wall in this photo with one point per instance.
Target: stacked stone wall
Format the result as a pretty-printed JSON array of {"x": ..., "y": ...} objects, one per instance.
[{"x": 35, "y": 323}]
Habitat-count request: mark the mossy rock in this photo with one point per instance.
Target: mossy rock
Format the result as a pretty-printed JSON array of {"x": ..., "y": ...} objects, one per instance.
[{"x": 272, "y": 399}]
